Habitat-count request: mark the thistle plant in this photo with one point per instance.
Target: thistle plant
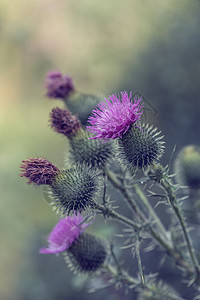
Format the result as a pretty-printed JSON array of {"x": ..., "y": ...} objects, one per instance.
[{"x": 108, "y": 144}]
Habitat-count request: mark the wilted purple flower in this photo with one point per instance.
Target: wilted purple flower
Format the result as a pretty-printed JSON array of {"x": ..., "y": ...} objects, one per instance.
[
  {"x": 62, "y": 121},
  {"x": 65, "y": 232},
  {"x": 38, "y": 171},
  {"x": 113, "y": 117},
  {"x": 58, "y": 85}
]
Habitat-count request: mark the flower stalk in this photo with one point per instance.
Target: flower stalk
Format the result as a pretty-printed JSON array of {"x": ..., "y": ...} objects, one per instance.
[
  {"x": 110, "y": 213},
  {"x": 168, "y": 187},
  {"x": 127, "y": 196},
  {"x": 129, "y": 280}
]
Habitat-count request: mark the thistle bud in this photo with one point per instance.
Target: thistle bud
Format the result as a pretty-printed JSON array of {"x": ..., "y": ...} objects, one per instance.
[
  {"x": 58, "y": 85},
  {"x": 92, "y": 153},
  {"x": 82, "y": 105},
  {"x": 140, "y": 147},
  {"x": 38, "y": 171},
  {"x": 187, "y": 167},
  {"x": 62, "y": 121},
  {"x": 74, "y": 190},
  {"x": 83, "y": 150},
  {"x": 87, "y": 254}
]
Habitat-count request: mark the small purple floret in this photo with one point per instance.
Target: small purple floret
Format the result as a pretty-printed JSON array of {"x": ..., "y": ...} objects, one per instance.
[
  {"x": 58, "y": 85},
  {"x": 38, "y": 171},
  {"x": 114, "y": 116},
  {"x": 64, "y": 122},
  {"x": 65, "y": 232}
]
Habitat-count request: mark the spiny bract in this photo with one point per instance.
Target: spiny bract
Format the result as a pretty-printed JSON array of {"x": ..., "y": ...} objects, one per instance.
[{"x": 140, "y": 147}]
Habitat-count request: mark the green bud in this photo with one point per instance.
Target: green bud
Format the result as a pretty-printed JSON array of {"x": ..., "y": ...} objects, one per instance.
[
  {"x": 140, "y": 147},
  {"x": 74, "y": 190},
  {"x": 187, "y": 167},
  {"x": 90, "y": 152},
  {"x": 87, "y": 254},
  {"x": 81, "y": 105}
]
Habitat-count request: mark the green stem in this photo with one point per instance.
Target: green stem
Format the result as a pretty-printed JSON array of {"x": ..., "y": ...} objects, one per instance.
[
  {"x": 120, "y": 218},
  {"x": 166, "y": 185},
  {"x": 108, "y": 212},
  {"x": 124, "y": 277},
  {"x": 128, "y": 197},
  {"x": 113, "y": 179},
  {"x": 144, "y": 200},
  {"x": 139, "y": 261}
]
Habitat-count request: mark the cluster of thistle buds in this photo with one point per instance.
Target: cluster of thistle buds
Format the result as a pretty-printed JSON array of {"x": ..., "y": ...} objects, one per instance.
[{"x": 102, "y": 132}]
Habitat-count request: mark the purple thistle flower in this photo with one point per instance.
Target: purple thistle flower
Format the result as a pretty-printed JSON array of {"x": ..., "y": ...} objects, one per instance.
[
  {"x": 58, "y": 85},
  {"x": 65, "y": 232},
  {"x": 38, "y": 171},
  {"x": 113, "y": 117},
  {"x": 62, "y": 121}
]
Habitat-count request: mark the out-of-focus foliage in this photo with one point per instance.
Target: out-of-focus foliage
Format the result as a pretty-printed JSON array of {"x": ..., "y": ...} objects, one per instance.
[{"x": 106, "y": 46}]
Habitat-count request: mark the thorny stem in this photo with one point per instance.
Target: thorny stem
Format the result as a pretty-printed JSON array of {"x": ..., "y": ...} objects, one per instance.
[
  {"x": 166, "y": 185},
  {"x": 125, "y": 278},
  {"x": 104, "y": 189},
  {"x": 155, "y": 235},
  {"x": 139, "y": 261},
  {"x": 113, "y": 179},
  {"x": 108, "y": 212},
  {"x": 118, "y": 266},
  {"x": 144, "y": 200}
]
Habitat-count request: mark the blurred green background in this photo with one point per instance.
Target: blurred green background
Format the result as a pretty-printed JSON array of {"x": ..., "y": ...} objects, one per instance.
[{"x": 152, "y": 47}]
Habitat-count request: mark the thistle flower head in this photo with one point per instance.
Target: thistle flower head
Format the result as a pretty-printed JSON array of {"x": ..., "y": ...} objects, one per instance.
[
  {"x": 87, "y": 254},
  {"x": 62, "y": 121},
  {"x": 58, "y": 85},
  {"x": 38, "y": 171},
  {"x": 113, "y": 117},
  {"x": 65, "y": 232}
]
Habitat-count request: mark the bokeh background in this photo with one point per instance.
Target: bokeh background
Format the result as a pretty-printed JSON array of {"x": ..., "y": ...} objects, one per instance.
[{"x": 152, "y": 47}]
